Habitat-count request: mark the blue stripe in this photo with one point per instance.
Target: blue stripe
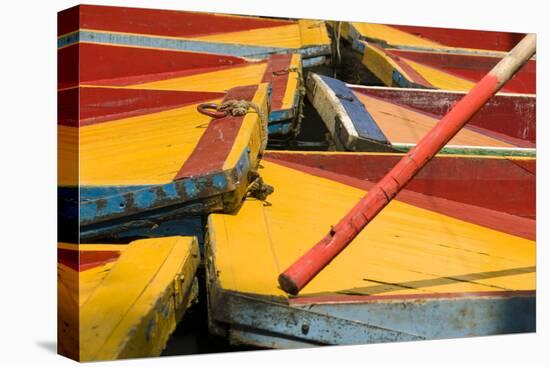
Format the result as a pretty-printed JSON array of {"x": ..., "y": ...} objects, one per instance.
[
  {"x": 231, "y": 49},
  {"x": 362, "y": 120},
  {"x": 98, "y": 203}
]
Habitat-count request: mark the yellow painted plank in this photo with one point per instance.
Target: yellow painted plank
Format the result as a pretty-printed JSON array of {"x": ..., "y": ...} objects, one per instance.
[
  {"x": 286, "y": 36},
  {"x": 470, "y": 156},
  {"x": 441, "y": 79},
  {"x": 293, "y": 82},
  {"x": 403, "y": 125},
  {"x": 148, "y": 149},
  {"x": 67, "y": 156},
  {"x": 406, "y": 245},
  {"x": 133, "y": 310},
  {"x": 215, "y": 81},
  {"x": 392, "y": 36},
  {"x": 313, "y": 32}
]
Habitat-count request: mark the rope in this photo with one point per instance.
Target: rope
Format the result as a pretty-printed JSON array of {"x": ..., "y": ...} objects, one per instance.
[
  {"x": 235, "y": 107},
  {"x": 258, "y": 188}
]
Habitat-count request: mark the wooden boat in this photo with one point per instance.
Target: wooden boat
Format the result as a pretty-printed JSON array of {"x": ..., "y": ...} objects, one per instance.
[
  {"x": 463, "y": 41},
  {"x": 242, "y": 36},
  {"x": 431, "y": 265},
  {"x": 436, "y": 58},
  {"x": 151, "y": 154},
  {"x": 437, "y": 70},
  {"x": 100, "y": 65},
  {"x": 394, "y": 119},
  {"x": 123, "y": 301}
]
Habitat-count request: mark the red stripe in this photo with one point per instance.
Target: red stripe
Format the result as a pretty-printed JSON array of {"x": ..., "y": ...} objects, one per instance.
[
  {"x": 503, "y": 222},
  {"x": 105, "y": 104},
  {"x": 160, "y": 22},
  {"x": 98, "y": 63},
  {"x": 218, "y": 139},
  {"x": 67, "y": 107},
  {"x": 305, "y": 300},
  {"x": 83, "y": 260},
  {"x": 473, "y": 68},
  {"x": 465, "y": 38},
  {"x": 277, "y": 73}
]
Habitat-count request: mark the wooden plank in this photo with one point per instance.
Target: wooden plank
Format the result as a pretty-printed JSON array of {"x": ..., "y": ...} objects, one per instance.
[
  {"x": 107, "y": 66},
  {"x": 127, "y": 307},
  {"x": 158, "y": 22},
  {"x": 91, "y": 105},
  {"x": 404, "y": 125},
  {"x": 440, "y": 70},
  {"x": 132, "y": 165},
  {"x": 120, "y": 306},
  {"x": 431, "y": 38},
  {"x": 512, "y": 115},
  {"x": 397, "y": 248},
  {"x": 483, "y": 181}
]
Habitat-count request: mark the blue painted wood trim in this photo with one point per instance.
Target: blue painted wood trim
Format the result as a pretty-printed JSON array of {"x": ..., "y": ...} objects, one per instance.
[
  {"x": 104, "y": 203},
  {"x": 232, "y": 49},
  {"x": 280, "y": 128},
  {"x": 364, "y": 123},
  {"x": 288, "y": 114},
  {"x": 315, "y": 61}
]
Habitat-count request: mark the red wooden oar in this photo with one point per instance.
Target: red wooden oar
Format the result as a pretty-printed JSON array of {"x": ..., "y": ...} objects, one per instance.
[{"x": 312, "y": 262}]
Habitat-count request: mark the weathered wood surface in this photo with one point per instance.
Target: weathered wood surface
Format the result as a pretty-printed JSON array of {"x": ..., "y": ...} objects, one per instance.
[
  {"x": 503, "y": 184},
  {"x": 464, "y": 41},
  {"x": 160, "y": 159},
  {"x": 403, "y": 120},
  {"x": 439, "y": 70},
  {"x": 421, "y": 248},
  {"x": 243, "y": 36},
  {"x": 98, "y": 65},
  {"x": 123, "y": 301},
  {"x": 513, "y": 115}
]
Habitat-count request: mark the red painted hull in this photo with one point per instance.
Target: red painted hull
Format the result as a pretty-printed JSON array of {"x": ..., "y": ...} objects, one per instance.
[{"x": 504, "y": 185}]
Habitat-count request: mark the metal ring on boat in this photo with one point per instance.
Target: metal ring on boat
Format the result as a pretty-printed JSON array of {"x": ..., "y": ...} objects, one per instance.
[{"x": 211, "y": 109}]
